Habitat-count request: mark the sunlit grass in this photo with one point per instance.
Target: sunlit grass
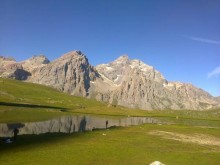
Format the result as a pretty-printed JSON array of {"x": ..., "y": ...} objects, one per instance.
[{"x": 122, "y": 146}]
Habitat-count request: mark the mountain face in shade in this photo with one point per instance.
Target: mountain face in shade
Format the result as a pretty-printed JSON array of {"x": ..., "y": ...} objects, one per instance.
[{"x": 130, "y": 83}]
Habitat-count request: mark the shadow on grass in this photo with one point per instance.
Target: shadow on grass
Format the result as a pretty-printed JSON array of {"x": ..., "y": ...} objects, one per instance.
[
  {"x": 31, "y": 106},
  {"x": 28, "y": 142}
]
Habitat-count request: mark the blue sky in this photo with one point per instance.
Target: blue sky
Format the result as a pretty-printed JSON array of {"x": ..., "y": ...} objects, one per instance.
[{"x": 180, "y": 38}]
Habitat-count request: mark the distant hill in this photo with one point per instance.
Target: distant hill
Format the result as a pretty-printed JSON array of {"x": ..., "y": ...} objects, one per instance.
[{"x": 125, "y": 82}]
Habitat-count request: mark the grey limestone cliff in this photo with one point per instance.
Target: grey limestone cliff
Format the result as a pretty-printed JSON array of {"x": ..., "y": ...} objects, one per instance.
[
  {"x": 70, "y": 73},
  {"x": 9, "y": 68},
  {"x": 138, "y": 85},
  {"x": 35, "y": 62}
]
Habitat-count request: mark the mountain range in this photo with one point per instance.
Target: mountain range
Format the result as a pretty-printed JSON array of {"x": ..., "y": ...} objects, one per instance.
[{"x": 125, "y": 82}]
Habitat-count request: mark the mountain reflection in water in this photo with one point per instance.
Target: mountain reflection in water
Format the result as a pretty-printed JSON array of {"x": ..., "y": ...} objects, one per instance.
[{"x": 70, "y": 124}]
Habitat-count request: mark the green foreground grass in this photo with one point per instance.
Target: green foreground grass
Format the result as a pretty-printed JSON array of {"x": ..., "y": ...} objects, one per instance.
[
  {"x": 118, "y": 146},
  {"x": 27, "y": 102}
]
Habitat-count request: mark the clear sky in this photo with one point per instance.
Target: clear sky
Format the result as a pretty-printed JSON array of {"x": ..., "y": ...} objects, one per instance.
[{"x": 180, "y": 38}]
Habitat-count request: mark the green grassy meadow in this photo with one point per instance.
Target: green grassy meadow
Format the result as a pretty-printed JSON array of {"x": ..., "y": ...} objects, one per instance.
[
  {"x": 123, "y": 146},
  {"x": 27, "y": 102}
]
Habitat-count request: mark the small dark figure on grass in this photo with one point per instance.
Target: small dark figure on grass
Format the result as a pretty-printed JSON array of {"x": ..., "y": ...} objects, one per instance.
[
  {"x": 106, "y": 123},
  {"x": 15, "y": 131}
]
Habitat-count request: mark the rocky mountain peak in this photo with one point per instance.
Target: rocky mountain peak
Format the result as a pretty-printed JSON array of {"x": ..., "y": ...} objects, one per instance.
[
  {"x": 41, "y": 59},
  {"x": 35, "y": 62},
  {"x": 4, "y": 61},
  {"x": 9, "y": 68},
  {"x": 114, "y": 71},
  {"x": 73, "y": 54},
  {"x": 2, "y": 58},
  {"x": 70, "y": 73},
  {"x": 123, "y": 67},
  {"x": 139, "y": 63},
  {"x": 122, "y": 59}
]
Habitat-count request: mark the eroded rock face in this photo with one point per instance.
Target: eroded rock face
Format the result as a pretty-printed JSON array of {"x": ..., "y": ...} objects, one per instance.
[
  {"x": 70, "y": 73},
  {"x": 122, "y": 67},
  {"x": 35, "y": 62},
  {"x": 138, "y": 85},
  {"x": 125, "y": 82},
  {"x": 9, "y": 68}
]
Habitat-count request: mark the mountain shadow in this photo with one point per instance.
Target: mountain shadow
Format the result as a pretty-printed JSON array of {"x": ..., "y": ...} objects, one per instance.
[{"x": 31, "y": 106}]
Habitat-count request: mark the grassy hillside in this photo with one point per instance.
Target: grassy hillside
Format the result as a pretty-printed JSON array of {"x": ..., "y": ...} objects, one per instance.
[
  {"x": 28, "y": 93},
  {"x": 22, "y": 101}
]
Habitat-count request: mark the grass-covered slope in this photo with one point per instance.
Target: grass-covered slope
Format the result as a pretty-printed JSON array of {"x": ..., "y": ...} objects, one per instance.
[
  {"x": 14, "y": 91},
  {"x": 23, "y": 102}
]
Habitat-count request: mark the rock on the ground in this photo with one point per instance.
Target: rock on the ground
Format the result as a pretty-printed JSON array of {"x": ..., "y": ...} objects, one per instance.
[{"x": 157, "y": 163}]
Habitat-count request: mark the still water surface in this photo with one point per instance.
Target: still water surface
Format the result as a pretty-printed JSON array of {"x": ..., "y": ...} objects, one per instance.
[{"x": 70, "y": 124}]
